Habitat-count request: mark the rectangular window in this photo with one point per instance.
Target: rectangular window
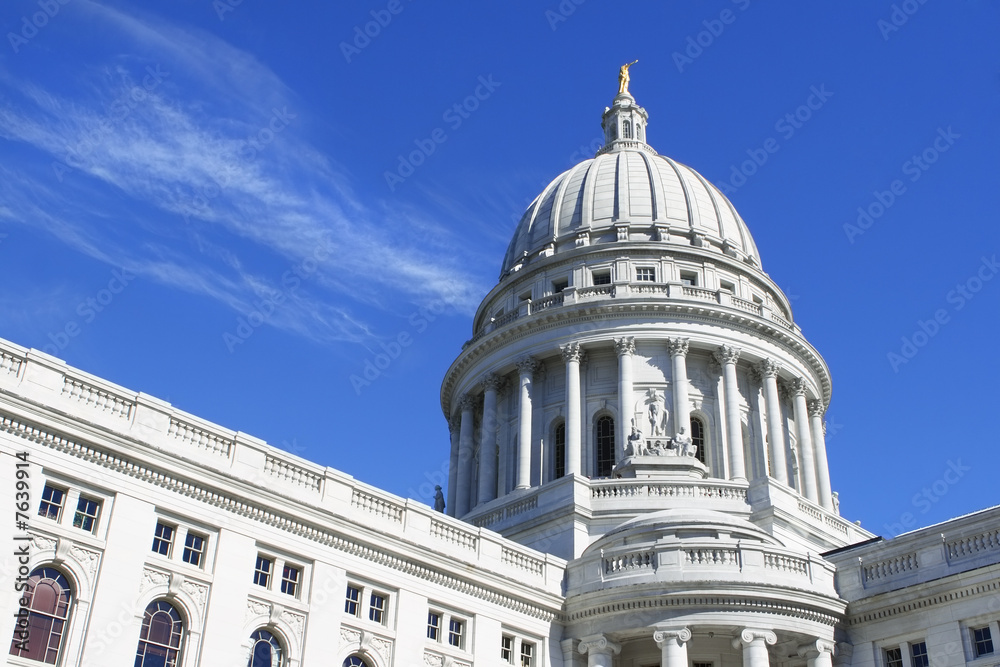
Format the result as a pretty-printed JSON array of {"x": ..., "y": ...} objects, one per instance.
[
  {"x": 353, "y": 604},
  {"x": 434, "y": 626},
  {"x": 87, "y": 511},
  {"x": 602, "y": 277},
  {"x": 527, "y": 654},
  {"x": 645, "y": 274},
  {"x": 893, "y": 657},
  {"x": 455, "y": 630},
  {"x": 262, "y": 571},
  {"x": 560, "y": 285},
  {"x": 376, "y": 610},
  {"x": 163, "y": 539},
  {"x": 52, "y": 502},
  {"x": 194, "y": 549},
  {"x": 507, "y": 649},
  {"x": 918, "y": 652},
  {"x": 702, "y": 664},
  {"x": 727, "y": 287},
  {"x": 982, "y": 641},
  {"x": 689, "y": 278},
  {"x": 289, "y": 580}
]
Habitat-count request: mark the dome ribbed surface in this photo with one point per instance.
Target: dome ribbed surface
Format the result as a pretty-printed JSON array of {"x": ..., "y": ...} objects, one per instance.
[{"x": 634, "y": 186}]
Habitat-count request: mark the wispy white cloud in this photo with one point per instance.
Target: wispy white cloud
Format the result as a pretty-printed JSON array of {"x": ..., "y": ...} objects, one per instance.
[{"x": 169, "y": 131}]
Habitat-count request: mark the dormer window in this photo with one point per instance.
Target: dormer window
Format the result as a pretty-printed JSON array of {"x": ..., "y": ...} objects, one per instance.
[{"x": 626, "y": 129}]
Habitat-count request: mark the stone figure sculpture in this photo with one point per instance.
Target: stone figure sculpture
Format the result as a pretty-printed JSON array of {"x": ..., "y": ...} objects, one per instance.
[
  {"x": 634, "y": 446},
  {"x": 682, "y": 442},
  {"x": 438, "y": 498}
]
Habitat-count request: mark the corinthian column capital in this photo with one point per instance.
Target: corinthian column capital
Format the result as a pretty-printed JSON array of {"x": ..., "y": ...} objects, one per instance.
[
  {"x": 625, "y": 346},
  {"x": 467, "y": 402},
  {"x": 571, "y": 352},
  {"x": 768, "y": 368},
  {"x": 492, "y": 382},
  {"x": 527, "y": 365},
  {"x": 798, "y": 386},
  {"x": 816, "y": 408},
  {"x": 727, "y": 354},
  {"x": 677, "y": 346}
]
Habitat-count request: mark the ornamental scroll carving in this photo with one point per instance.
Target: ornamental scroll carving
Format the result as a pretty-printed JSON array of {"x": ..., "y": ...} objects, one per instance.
[
  {"x": 527, "y": 365},
  {"x": 727, "y": 354},
  {"x": 750, "y": 635},
  {"x": 87, "y": 559},
  {"x": 768, "y": 368},
  {"x": 678, "y": 346},
  {"x": 624, "y": 346},
  {"x": 680, "y": 635},
  {"x": 572, "y": 352},
  {"x": 798, "y": 387},
  {"x": 816, "y": 408},
  {"x": 151, "y": 579}
]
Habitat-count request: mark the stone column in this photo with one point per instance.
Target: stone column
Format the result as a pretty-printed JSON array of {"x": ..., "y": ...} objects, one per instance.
[
  {"x": 625, "y": 347},
  {"x": 465, "y": 451},
  {"x": 727, "y": 355},
  {"x": 673, "y": 646},
  {"x": 816, "y": 411},
  {"x": 808, "y": 462},
  {"x": 818, "y": 653},
  {"x": 775, "y": 434},
  {"x": 454, "y": 428},
  {"x": 526, "y": 367},
  {"x": 571, "y": 354},
  {"x": 754, "y": 644},
  {"x": 678, "y": 362},
  {"x": 488, "y": 442},
  {"x": 599, "y": 650}
]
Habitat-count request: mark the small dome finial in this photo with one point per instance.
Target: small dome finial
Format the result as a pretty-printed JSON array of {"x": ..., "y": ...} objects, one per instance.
[{"x": 623, "y": 78}]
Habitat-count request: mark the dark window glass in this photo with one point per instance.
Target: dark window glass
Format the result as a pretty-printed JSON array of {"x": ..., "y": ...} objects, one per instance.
[
  {"x": 49, "y": 597},
  {"x": 52, "y": 502},
  {"x": 161, "y": 636},
  {"x": 605, "y": 446},
  {"x": 918, "y": 652},
  {"x": 698, "y": 437},
  {"x": 266, "y": 650},
  {"x": 87, "y": 511},
  {"x": 982, "y": 641},
  {"x": 560, "y": 451},
  {"x": 162, "y": 539}
]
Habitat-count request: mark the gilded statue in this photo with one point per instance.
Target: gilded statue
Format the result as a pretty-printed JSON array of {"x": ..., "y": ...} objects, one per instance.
[{"x": 623, "y": 78}]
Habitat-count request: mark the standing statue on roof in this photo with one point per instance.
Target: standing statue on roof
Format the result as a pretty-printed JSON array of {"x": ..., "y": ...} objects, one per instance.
[{"x": 623, "y": 78}]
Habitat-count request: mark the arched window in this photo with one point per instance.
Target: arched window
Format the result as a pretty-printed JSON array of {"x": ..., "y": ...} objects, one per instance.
[
  {"x": 604, "y": 438},
  {"x": 698, "y": 437},
  {"x": 354, "y": 661},
  {"x": 161, "y": 637},
  {"x": 559, "y": 451},
  {"x": 49, "y": 597},
  {"x": 265, "y": 650},
  {"x": 626, "y": 129},
  {"x": 638, "y": 132}
]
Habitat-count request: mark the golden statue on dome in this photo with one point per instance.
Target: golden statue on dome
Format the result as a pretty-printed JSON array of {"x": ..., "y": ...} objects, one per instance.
[{"x": 623, "y": 78}]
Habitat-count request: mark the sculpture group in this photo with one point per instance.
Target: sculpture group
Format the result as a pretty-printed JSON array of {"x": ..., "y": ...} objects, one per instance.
[{"x": 679, "y": 445}]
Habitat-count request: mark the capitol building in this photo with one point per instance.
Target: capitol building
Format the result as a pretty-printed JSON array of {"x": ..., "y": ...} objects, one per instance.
[{"x": 638, "y": 478}]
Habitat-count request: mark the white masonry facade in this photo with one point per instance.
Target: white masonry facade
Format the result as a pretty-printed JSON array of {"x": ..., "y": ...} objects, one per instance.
[{"x": 638, "y": 478}]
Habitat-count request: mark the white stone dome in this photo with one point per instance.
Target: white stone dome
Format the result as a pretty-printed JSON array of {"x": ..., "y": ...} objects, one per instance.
[{"x": 627, "y": 184}]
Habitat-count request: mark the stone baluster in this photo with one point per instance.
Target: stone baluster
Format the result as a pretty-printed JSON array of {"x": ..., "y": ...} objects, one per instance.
[
  {"x": 572, "y": 354},
  {"x": 798, "y": 388},
  {"x": 727, "y": 356},
  {"x": 816, "y": 411},
  {"x": 779, "y": 466},
  {"x": 673, "y": 646},
  {"x": 465, "y": 456},
  {"x": 678, "y": 348},
  {"x": 754, "y": 644},
  {"x": 599, "y": 650},
  {"x": 526, "y": 367},
  {"x": 818, "y": 653},
  {"x": 625, "y": 348},
  {"x": 488, "y": 442}
]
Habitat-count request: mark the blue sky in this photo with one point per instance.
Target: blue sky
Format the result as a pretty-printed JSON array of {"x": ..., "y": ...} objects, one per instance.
[{"x": 233, "y": 170}]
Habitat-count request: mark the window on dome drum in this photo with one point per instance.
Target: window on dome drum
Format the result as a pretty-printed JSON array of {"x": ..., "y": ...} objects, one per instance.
[
  {"x": 645, "y": 274},
  {"x": 163, "y": 539},
  {"x": 352, "y": 605},
  {"x": 601, "y": 277},
  {"x": 527, "y": 654},
  {"x": 757, "y": 299},
  {"x": 377, "y": 608},
  {"x": 982, "y": 641},
  {"x": 262, "y": 571},
  {"x": 560, "y": 285},
  {"x": 456, "y": 633},
  {"x": 638, "y": 132},
  {"x": 507, "y": 649},
  {"x": 698, "y": 437},
  {"x": 626, "y": 129},
  {"x": 194, "y": 549},
  {"x": 702, "y": 664},
  {"x": 727, "y": 287},
  {"x": 354, "y": 661},
  {"x": 87, "y": 511},
  {"x": 290, "y": 579},
  {"x": 605, "y": 439},
  {"x": 918, "y": 654},
  {"x": 559, "y": 451},
  {"x": 52, "y": 502},
  {"x": 689, "y": 278},
  {"x": 893, "y": 657},
  {"x": 49, "y": 599},
  {"x": 525, "y": 297},
  {"x": 161, "y": 636},
  {"x": 265, "y": 650},
  {"x": 434, "y": 625}
]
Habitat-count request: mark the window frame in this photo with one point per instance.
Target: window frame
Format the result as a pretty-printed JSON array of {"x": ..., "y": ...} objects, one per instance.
[
  {"x": 699, "y": 437},
  {"x": 94, "y": 518},
  {"x": 435, "y": 627},
  {"x": 381, "y": 611},
  {"x": 600, "y": 277},
  {"x": 985, "y": 640},
  {"x": 265, "y": 574},
  {"x": 47, "y": 502},
  {"x": 178, "y": 650},
  {"x": 459, "y": 623},
  {"x": 559, "y": 450},
  {"x": 689, "y": 278},
  {"x": 188, "y": 548},
  {"x": 158, "y": 538},
  {"x": 446, "y": 628},
  {"x": 293, "y": 583},
  {"x": 57, "y": 625},
  {"x": 604, "y": 461},
  {"x": 645, "y": 274},
  {"x": 273, "y": 640},
  {"x": 358, "y": 601}
]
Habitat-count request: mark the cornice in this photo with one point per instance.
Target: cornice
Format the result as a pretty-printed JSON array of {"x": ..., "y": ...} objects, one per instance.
[{"x": 170, "y": 481}]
